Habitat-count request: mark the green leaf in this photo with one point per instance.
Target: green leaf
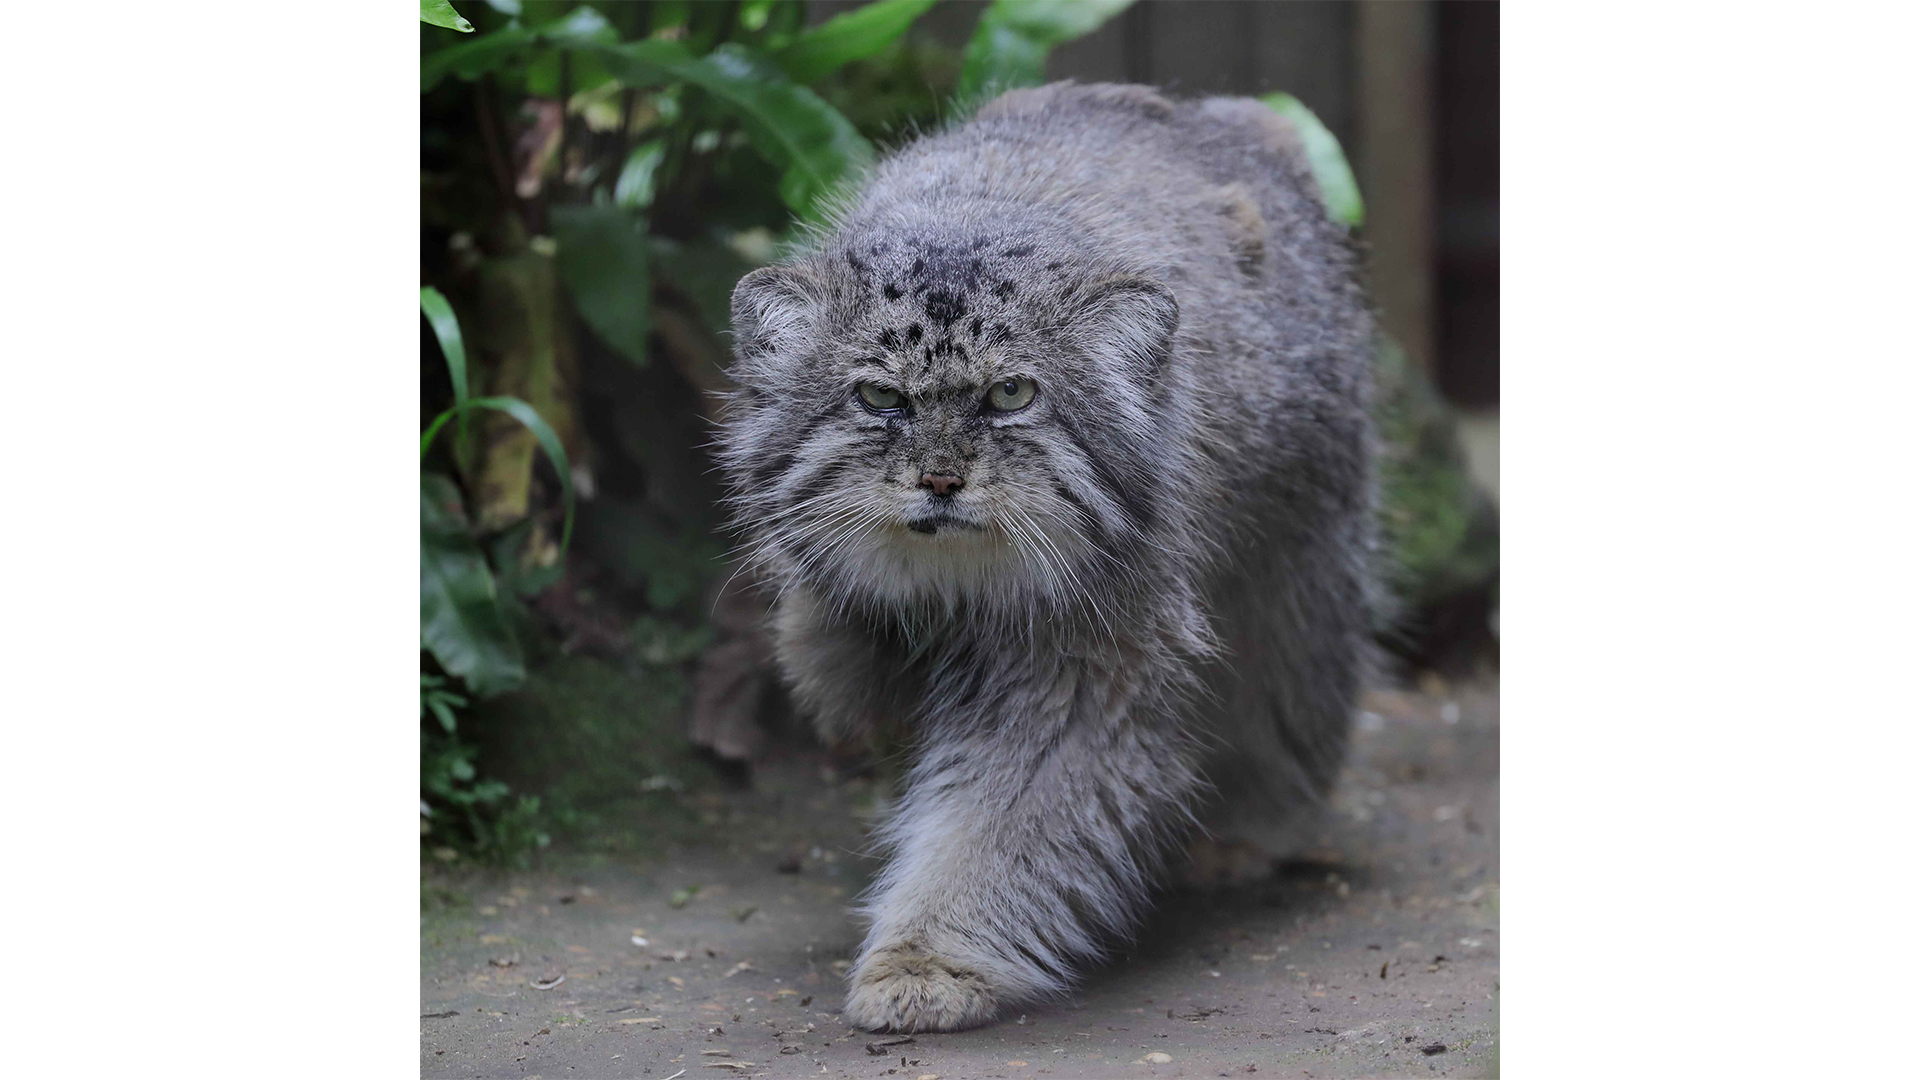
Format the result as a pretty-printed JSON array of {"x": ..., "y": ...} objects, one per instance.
[
  {"x": 809, "y": 140},
  {"x": 511, "y": 44},
  {"x": 849, "y": 36},
  {"x": 1337, "y": 187},
  {"x": 447, "y": 328},
  {"x": 461, "y": 621},
  {"x": 443, "y": 710},
  {"x": 602, "y": 258},
  {"x": 1010, "y": 44},
  {"x": 542, "y": 433},
  {"x": 634, "y": 189},
  {"x": 705, "y": 270},
  {"x": 441, "y": 13}
]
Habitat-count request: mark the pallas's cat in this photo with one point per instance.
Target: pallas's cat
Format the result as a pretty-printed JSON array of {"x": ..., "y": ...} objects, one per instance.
[{"x": 1055, "y": 449}]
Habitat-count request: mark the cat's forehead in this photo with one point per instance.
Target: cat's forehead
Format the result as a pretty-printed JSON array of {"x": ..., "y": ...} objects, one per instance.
[{"x": 940, "y": 310}]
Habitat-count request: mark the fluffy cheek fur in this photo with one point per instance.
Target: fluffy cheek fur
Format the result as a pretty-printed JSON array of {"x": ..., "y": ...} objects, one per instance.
[{"x": 837, "y": 518}]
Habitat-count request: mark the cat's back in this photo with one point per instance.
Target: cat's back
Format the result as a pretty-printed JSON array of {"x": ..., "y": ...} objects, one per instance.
[{"x": 1201, "y": 189}]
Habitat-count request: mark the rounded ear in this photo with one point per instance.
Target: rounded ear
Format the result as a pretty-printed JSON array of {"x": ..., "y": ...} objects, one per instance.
[
  {"x": 769, "y": 305},
  {"x": 1131, "y": 317}
]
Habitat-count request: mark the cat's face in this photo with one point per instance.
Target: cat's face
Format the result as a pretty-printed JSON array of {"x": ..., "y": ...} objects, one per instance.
[{"x": 937, "y": 421}]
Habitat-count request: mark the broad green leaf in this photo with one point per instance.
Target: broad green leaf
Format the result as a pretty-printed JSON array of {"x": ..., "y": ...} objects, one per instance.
[
  {"x": 602, "y": 259},
  {"x": 1337, "y": 187},
  {"x": 441, "y": 13},
  {"x": 812, "y": 143},
  {"x": 1010, "y": 44},
  {"x": 634, "y": 189},
  {"x": 542, "y": 432},
  {"x": 461, "y": 621},
  {"x": 849, "y": 36},
  {"x": 705, "y": 270},
  {"x": 510, "y": 44}
]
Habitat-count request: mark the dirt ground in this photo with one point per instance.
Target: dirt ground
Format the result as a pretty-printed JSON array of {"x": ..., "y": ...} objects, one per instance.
[{"x": 1375, "y": 955}]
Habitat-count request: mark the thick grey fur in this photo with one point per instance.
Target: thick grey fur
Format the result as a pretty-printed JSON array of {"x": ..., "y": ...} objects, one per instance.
[{"x": 1149, "y": 605}]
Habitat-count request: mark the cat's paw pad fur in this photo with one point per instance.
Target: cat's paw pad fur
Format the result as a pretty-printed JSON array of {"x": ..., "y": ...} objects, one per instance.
[{"x": 907, "y": 988}]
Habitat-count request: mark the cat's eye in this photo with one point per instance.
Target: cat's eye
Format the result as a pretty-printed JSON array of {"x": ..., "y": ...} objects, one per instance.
[
  {"x": 1010, "y": 395},
  {"x": 881, "y": 399}
]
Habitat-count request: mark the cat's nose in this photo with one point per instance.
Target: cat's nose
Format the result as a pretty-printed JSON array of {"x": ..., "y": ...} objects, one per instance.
[{"x": 940, "y": 484}]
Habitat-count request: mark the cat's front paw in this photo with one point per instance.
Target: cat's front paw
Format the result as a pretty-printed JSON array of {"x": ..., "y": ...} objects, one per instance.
[{"x": 908, "y": 988}]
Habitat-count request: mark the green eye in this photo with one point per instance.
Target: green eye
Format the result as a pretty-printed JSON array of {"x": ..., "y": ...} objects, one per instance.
[
  {"x": 1011, "y": 395},
  {"x": 881, "y": 398}
]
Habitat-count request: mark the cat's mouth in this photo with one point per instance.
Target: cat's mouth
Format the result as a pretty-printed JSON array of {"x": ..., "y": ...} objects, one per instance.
[{"x": 931, "y": 523}]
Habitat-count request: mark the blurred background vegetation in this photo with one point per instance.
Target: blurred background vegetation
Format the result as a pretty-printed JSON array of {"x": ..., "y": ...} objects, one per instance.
[{"x": 594, "y": 179}]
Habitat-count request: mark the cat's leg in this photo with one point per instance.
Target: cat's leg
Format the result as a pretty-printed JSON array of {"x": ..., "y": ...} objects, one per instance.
[
  {"x": 1279, "y": 704},
  {"x": 838, "y": 675},
  {"x": 1021, "y": 846}
]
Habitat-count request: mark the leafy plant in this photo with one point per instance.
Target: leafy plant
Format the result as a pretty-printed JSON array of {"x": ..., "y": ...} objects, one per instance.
[
  {"x": 462, "y": 619},
  {"x": 457, "y": 809},
  {"x": 1010, "y": 46},
  {"x": 466, "y": 627}
]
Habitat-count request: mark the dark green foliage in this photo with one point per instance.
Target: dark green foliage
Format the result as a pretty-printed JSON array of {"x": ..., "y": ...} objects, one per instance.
[
  {"x": 849, "y": 36},
  {"x": 461, "y": 621},
  {"x": 1010, "y": 46},
  {"x": 603, "y": 260},
  {"x": 458, "y": 810}
]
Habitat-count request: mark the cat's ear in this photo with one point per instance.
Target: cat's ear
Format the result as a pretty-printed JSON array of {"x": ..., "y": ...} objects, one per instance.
[
  {"x": 1130, "y": 317},
  {"x": 770, "y": 306}
]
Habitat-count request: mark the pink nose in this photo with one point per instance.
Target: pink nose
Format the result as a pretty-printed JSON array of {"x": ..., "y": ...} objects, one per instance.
[{"x": 941, "y": 485}]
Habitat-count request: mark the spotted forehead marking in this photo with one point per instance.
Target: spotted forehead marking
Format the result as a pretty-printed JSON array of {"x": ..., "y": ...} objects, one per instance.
[{"x": 939, "y": 311}]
